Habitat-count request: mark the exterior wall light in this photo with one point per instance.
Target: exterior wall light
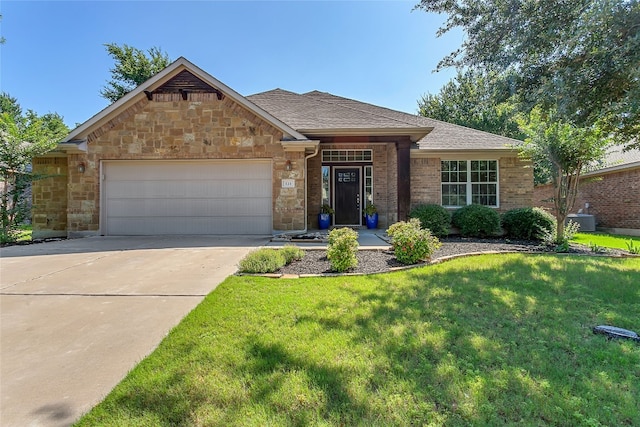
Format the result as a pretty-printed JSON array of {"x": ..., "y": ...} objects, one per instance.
[
  {"x": 287, "y": 165},
  {"x": 81, "y": 168}
]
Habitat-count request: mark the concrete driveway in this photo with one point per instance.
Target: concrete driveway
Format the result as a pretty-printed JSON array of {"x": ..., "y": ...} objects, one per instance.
[{"x": 77, "y": 315}]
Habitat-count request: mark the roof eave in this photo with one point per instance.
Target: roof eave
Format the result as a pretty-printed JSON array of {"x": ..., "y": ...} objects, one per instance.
[
  {"x": 414, "y": 133},
  {"x": 457, "y": 152},
  {"x": 611, "y": 169}
]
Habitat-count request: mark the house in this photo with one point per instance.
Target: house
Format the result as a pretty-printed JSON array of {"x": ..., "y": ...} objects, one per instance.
[
  {"x": 610, "y": 191},
  {"x": 185, "y": 154}
]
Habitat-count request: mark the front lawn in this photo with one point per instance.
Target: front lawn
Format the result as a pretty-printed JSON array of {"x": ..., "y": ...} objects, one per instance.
[
  {"x": 490, "y": 340},
  {"x": 606, "y": 240}
]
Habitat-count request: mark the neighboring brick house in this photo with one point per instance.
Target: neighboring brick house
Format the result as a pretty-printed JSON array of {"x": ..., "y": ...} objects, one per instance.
[
  {"x": 611, "y": 193},
  {"x": 185, "y": 154}
]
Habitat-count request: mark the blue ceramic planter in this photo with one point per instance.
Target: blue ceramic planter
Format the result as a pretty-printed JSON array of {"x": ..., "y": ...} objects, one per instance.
[
  {"x": 372, "y": 221},
  {"x": 324, "y": 221}
]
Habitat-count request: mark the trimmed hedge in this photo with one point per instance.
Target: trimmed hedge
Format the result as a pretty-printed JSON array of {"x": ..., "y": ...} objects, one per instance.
[
  {"x": 528, "y": 223},
  {"x": 262, "y": 260},
  {"x": 476, "y": 221},
  {"x": 267, "y": 260},
  {"x": 433, "y": 217}
]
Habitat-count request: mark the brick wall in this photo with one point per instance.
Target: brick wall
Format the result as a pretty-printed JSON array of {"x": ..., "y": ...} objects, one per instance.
[
  {"x": 384, "y": 181},
  {"x": 201, "y": 127},
  {"x": 515, "y": 182},
  {"x": 614, "y": 198},
  {"x": 49, "y": 196},
  {"x": 425, "y": 181}
]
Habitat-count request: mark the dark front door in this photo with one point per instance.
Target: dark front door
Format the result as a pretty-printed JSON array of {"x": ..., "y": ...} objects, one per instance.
[{"x": 347, "y": 196}]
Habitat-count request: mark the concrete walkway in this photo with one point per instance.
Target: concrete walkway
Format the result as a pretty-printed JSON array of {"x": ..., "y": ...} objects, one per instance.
[{"x": 77, "y": 315}]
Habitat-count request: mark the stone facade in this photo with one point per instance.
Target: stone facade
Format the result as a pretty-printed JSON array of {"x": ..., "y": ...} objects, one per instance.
[
  {"x": 49, "y": 196},
  {"x": 614, "y": 198},
  {"x": 515, "y": 182},
  {"x": 168, "y": 127}
]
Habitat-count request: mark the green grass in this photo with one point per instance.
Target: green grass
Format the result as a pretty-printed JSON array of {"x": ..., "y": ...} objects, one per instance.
[
  {"x": 492, "y": 340},
  {"x": 24, "y": 233},
  {"x": 605, "y": 240}
]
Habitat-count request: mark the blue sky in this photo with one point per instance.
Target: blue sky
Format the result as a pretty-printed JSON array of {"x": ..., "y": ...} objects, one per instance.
[{"x": 380, "y": 52}]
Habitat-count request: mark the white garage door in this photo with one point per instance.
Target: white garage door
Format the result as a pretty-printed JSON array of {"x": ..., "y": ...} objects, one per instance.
[{"x": 187, "y": 197}]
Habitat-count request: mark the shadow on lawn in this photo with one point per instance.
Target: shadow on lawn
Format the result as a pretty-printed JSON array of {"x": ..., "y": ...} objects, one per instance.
[
  {"x": 496, "y": 345},
  {"x": 496, "y": 340}
]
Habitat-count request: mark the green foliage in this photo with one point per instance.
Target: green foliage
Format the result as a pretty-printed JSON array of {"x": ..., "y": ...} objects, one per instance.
[
  {"x": 433, "y": 217},
  {"x": 268, "y": 260},
  {"x": 263, "y": 260},
  {"x": 411, "y": 243},
  {"x": 561, "y": 240},
  {"x": 632, "y": 248},
  {"x": 343, "y": 249},
  {"x": 528, "y": 223},
  {"x": 132, "y": 68},
  {"x": 560, "y": 151},
  {"x": 474, "y": 99},
  {"x": 326, "y": 209},
  {"x": 595, "y": 248},
  {"x": 370, "y": 209},
  {"x": 476, "y": 221},
  {"x": 23, "y": 136},
  {"x": 291, "y": 253},
  {"x": 581, "y": 58}
]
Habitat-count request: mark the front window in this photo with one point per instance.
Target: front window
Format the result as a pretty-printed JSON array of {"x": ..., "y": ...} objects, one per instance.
[{"x": 469, "y": 181}]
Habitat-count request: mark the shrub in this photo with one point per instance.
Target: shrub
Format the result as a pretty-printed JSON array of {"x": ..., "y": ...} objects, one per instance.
[
  {"x": 262, "y": 260},
  {"x": 476, "y": 221},
  {"x": 291, "y": 253},
  {"x": 632, "y": 248},
  {"x": 562, "y": 242},
  {"x": 343, "y": 249},
  {"x": 433, "y": 217},
  {"x": 412, "y": 243},
  {"x": 528, "y": 223}
]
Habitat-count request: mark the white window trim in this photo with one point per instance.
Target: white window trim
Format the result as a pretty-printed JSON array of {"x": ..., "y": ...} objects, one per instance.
[
  {"x": 350, "y": 150},
  {"x": 469, "y": 183}
]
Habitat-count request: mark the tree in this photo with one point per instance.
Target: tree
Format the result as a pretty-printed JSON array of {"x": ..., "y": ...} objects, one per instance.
[
  {"x": 562, "y": 151},
  {"x": 578, "y": 58},
  {"x": 132, "y": 67},
  {"x": 2, "y": 39},
  {"x": 476, "y": 100},
  {"x": 22, "y": 137}
]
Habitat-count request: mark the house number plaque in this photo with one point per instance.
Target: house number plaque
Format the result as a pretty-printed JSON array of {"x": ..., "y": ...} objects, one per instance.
[{"x": 288, "y": 183}]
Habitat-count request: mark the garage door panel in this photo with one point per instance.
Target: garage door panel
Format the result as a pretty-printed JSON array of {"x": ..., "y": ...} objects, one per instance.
[
  {"x": 168, "y": 226},
  {"x": 189, "y": 189},
  {"x": 200, "y": 197},
  {"x": 143, "y": 170},
  {"x": 189, "y": 207}
]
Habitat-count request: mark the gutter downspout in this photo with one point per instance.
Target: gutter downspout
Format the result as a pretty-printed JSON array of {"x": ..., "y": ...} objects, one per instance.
[{"x": 315, "y": 153}]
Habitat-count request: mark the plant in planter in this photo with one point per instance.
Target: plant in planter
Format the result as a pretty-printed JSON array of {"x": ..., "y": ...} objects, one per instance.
[
  {"x": 324, "y": 217},
  {"x": 371, "y": 214}
]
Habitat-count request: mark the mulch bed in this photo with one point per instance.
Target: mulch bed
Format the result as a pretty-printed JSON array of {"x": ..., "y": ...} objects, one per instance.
[{"x": 376, "y": 261}]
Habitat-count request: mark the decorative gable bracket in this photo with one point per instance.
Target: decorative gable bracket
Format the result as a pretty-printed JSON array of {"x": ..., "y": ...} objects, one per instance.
[{"x": 185, "y": 83}]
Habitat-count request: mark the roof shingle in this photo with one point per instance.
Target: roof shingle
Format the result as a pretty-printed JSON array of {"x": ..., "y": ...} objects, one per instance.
[{"x": 320, "y": 110}]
